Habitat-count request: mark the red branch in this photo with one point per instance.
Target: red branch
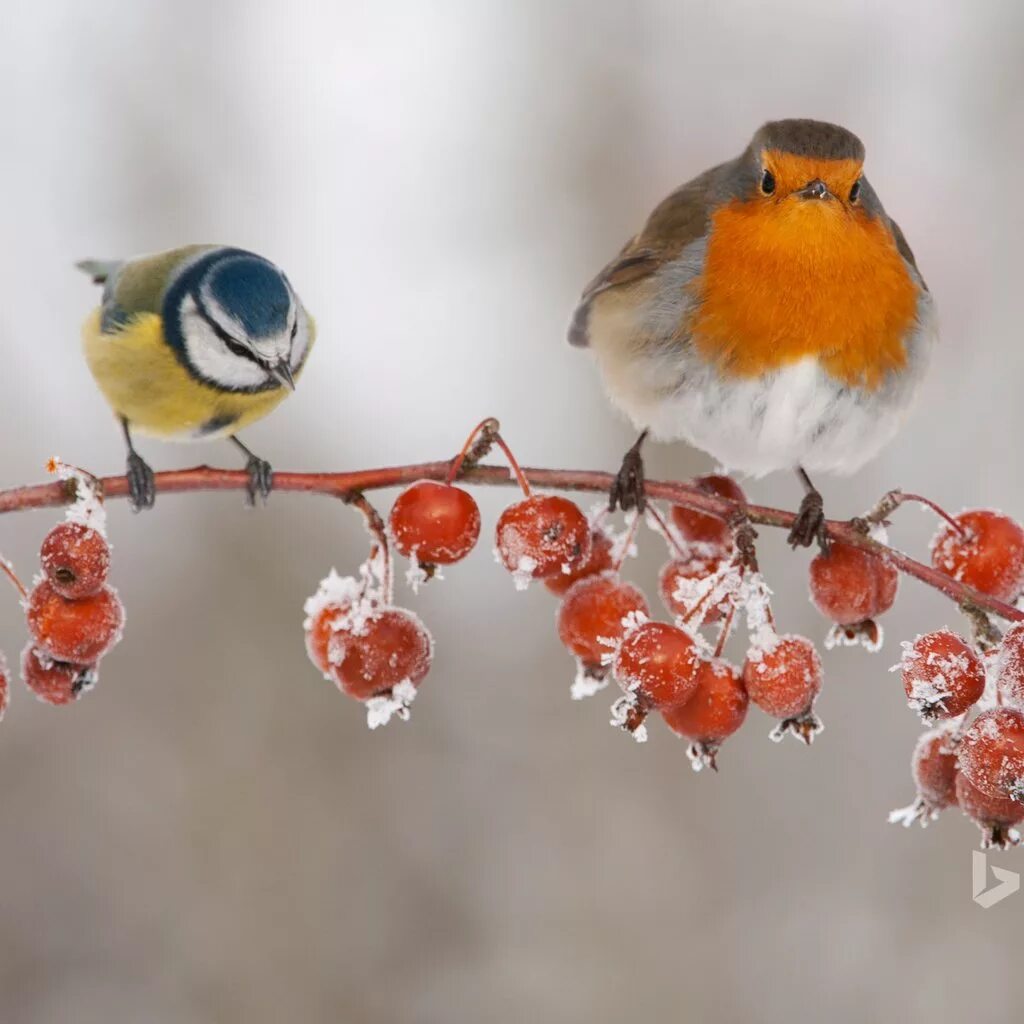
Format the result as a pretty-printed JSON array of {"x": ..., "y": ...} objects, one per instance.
[{"x": 345, "y": 485}]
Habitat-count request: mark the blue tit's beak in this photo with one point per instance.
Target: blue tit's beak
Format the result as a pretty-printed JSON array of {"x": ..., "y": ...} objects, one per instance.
[
  {"x": 816, "y": 189},
  {"x": 283, "y": 372}
]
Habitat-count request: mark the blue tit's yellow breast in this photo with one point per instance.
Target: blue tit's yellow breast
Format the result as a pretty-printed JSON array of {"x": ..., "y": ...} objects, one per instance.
[{"x": 145, "y": 383}]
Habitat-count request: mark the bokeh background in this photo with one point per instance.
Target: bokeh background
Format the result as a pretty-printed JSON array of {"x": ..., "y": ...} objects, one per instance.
[{"x": 213, "y": 834}]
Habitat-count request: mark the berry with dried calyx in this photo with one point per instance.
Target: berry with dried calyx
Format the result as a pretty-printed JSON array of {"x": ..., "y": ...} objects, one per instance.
[
  {"x": 991, "y": 754},
  {"x": 850, "y": 585},
  {"x": 942, "y": 675},
  {"x": 543, "y": 535},
  {"x": 715, "y": 710},
  {"x": 657, "y": 663},
  {"x": 369, "y": 658},
  {"x": 685, "y": 582},
  {"x": 55, "y": 682},
  {"x": 996, "y": 816},
  {"x": 599, "y": 560},
  {"x": 783, "y": 678},
  {"x": 1009, "y": 668},
  {"x": 594, "y": 614},
  {"x": 700, "y": 527},
  {"x": 435, "y": 523},
  {"x": 987, "y": 553},
  {"x": 76, "y": 559},
  {"x": 79, "y": 631}
]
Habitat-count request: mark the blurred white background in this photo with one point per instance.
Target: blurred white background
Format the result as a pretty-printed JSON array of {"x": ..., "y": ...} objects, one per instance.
[{"x": 213, "y": 835}]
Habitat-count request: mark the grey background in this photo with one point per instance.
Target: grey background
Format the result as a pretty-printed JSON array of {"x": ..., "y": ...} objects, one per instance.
[{"x": 213, "y": 835}]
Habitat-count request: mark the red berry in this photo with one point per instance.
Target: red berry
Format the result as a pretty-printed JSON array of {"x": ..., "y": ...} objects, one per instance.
[
  {"x": 76, "y": 559},
  {"x": 79, "y": 631},
  {"x": 717, "y": 707},
  {"x": 849, "y": 584},
  {"x": 995, "y": 815},
  {"x": 542, "y": 536},
  {"x": 55, "y": 682},
  {"x": 1010, "y": 668},
  {"x": 682, "y": 586},
  {"x": 942, "y": 675},
  {"x": 701, "y": 528},
  {"x": 657, "y": 663},
  {"x": 590, "y": 617},
  {"x": 436, "y": 523},
  {"x": 783, "y": 680},
  {"x": 988, "y": 556},
  {"x": 991, "y": 754},
  {"x": 370, "y": 658},
  {"x": 319, "y": 630},
  {"x": 934, "y": 769},
  {"x": 599, "y": 560}
]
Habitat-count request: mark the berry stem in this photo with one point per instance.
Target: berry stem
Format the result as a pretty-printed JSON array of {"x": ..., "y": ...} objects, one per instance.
[
  {"x": 9, "y": 572},
  {"x": 340, "y": 485},
  {"x": 723, "y": 636},
  {"x": 375, "y": 525},
  {"x": 892, "y": 501},
  {"x": 654, "y": 516},
  {"x": 514, "y": 463},
  {"x": 627, "y": 541},
  {"x": 480, "y": 441}
]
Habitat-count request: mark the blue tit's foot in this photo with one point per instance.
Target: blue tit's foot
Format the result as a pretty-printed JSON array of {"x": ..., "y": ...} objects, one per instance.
[
  {"x": 141, "y": 483},
  {"x": 627, "y": 492},
  {"x": 261, "y": 480},
  {"x": 810, "y": 519}
]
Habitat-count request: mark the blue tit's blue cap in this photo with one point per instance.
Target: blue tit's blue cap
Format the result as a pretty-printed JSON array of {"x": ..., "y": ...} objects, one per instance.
[{"x": 253, "y": 291}]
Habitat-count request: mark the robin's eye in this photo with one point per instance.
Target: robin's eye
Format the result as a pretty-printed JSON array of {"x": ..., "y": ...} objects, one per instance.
[
  {"x": 855, "y": 191},
  {"x": 767, "y": 182}
]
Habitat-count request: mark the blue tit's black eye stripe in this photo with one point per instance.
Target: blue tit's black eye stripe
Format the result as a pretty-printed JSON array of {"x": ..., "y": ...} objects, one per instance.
[{"x": 232, "y": 344}]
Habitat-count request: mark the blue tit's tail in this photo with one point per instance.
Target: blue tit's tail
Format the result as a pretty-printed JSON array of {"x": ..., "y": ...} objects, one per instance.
[{"x": 99, "y": 270}]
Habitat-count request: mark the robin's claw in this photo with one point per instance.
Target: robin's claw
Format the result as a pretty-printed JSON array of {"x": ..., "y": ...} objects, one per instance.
[
  {"x": 810, "y": 523},
  {"x": 627, "y": 492}
]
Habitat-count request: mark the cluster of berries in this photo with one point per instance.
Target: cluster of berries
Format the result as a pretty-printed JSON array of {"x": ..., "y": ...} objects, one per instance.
[
  {"x": 971, "y": 693},
  {"x": 74, "y": 616}
]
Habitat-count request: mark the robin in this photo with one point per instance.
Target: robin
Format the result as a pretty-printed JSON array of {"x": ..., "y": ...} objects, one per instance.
[{"x": 769, "y": 312}]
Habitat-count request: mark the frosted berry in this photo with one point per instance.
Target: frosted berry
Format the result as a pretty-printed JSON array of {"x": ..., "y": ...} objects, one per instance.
[
  {"x": 715, "y": 710},
  {"x": 988, "y": 556},
  {"x": 682, "y": 586},
  {"x": 994, "y": 815},
  {"x": 591, "y": 616},
  {"x": 369, "y": 659},
  {"x": 79, "y": 631},
  {"x": 849, "y": 584},
  {"x": 942, "y": 675},
  {"x": 701, "y": 528},
  {"x": 55, "y": 682},
  {"x": 657, "y": 663},
  {"x": 991, "y": 754},
  {"x": 76, "y": 559},
  {"x": 436, "y": 523},
  {"x": 599, "y": 560},
  {"x": 934, "y": 769},
  {"x": 541, "y": 536},
  {"x": 1010, "y": 668},
  {"x": 783, "y": 679},
  {"x": 319, "y": 630}
]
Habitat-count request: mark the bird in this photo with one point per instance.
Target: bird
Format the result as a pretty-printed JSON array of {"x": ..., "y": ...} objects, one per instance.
[
  {"x": 194, "y": 344},
  {"x": 769, "y": 312}
]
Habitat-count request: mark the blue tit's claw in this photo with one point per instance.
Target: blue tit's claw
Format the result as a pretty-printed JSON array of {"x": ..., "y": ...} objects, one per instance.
[
  {"x": 810, "y": 523},
  {"x": 141, "y": 483},
  {"x": 261, "y": 480}
]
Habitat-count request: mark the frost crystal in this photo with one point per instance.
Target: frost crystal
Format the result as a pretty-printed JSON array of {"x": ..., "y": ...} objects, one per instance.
[
  {"x": 919, "y": 812},
  {"x": 416, "y": 575},
  {"x": 622, "y": 712},
  {"x": 588, "y": 681},
  {"x": 87, "y": 508},
  {"x": 334, "y": 591},
  {"x": 380, "y": 710},
  {"x": 755, "y": 597},
  {"x": 868, "y": 635}
]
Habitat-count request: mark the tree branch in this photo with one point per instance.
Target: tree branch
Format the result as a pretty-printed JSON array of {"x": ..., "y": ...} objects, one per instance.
[{"x": 345, "y": 485}]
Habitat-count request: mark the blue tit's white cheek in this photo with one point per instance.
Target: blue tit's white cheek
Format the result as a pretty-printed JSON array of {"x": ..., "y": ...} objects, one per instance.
[
  {"x": 210, "y": 357},
  {"x": 300, "y": 344}
]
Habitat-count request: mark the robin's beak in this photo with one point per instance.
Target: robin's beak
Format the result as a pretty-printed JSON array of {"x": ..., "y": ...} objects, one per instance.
[
  {"x": 816, "y": 189},
  {"x": 283, "y": 372}
]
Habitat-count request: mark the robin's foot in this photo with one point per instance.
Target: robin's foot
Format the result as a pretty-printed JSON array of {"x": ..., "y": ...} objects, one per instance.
[
  {"x": 810, "y": 518},
  {"x": 627, "y": 492},
  {"x": 141, "y": 484},
  {"x": 261, "y": 475},
  {"x": 261, "y": 480}
]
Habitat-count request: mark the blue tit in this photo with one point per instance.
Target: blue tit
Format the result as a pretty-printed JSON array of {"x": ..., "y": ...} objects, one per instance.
[{"x": 194, "y": 344}]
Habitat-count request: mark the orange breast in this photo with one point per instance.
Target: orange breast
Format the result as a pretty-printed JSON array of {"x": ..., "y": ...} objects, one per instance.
[{"x": 798, "y": 278}]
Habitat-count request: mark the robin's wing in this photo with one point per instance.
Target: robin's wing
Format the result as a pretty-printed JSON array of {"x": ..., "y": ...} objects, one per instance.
[
  {"x": 677, "y": 221},
  {"x": 904, "y": 248}
]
